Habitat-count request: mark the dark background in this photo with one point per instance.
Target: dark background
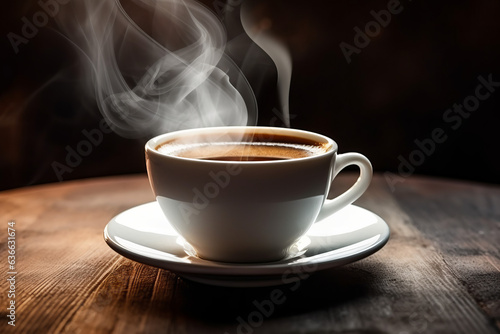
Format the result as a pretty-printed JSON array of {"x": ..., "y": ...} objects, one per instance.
[{"x": 395, "y": 91}]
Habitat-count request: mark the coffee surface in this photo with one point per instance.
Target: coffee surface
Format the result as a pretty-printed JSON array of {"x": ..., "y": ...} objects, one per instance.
[{"x": 262, "y": 148}]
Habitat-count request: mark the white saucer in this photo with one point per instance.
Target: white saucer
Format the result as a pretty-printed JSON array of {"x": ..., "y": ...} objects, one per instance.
[{"x": 143, "y": 234}]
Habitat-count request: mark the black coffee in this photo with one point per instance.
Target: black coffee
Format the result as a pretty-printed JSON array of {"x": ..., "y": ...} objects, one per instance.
[{"x": 261, "y": 147}]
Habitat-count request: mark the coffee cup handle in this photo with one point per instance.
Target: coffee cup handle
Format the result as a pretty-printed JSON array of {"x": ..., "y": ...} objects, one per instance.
[{"x": 357, "y": 189}]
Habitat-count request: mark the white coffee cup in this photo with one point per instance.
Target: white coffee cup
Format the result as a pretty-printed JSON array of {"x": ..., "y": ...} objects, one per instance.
[{"x": 248, "y": 211}]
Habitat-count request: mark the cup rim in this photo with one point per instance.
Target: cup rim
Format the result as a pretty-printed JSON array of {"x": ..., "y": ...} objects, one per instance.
[{"x": 154, "y": 142}]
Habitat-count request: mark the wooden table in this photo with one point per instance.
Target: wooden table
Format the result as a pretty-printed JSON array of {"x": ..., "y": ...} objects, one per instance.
[{"x": 439, "y": 272}]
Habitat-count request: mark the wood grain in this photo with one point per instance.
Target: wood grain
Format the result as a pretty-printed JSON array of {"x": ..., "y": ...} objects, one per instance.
[{"x": 439, "y": 272}]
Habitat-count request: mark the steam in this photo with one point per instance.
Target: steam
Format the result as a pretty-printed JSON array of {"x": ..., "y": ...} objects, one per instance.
[
  {"x": 166, "y": 70},
  {"x": 258, "y": 31}
]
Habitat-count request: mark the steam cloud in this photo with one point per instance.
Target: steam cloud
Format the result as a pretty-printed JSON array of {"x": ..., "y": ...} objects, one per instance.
[{"x": 166, "y": 70}]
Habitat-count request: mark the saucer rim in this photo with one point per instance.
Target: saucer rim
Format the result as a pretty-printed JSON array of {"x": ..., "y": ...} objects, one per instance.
[{"x": 209, "y": 268}]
